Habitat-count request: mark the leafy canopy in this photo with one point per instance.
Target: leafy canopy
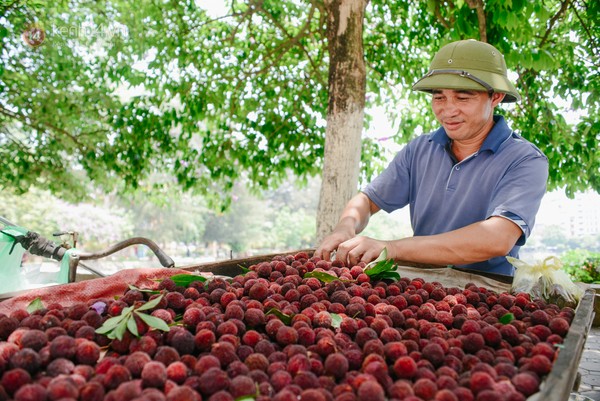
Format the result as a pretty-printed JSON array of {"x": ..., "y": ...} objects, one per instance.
[{"x": 118, "y": 94}]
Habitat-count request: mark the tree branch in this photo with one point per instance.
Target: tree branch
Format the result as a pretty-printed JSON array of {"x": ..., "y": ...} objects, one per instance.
[
  {"x": 6, "y": 7},
  {"x": 292, "y": 39},
  {"x": 593, "y": 40},
  {"x": 563, "y": 8},
  {"x": 14, "y": 139},
  {"x": 271, "y": 57},
  {"x": 438, "y": 13},
  {"x": 40, "y": 125},
  {"x": 478, "y": 6}
]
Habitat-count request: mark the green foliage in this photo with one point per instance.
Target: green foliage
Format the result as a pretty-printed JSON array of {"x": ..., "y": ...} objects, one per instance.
[
  {"x": 285, "y": 318},
  {"x": 382, "y": 268},
  {"x": 35, "y": 305},
  {"x": 507, "y": 318},
  {"x": 293, "y": 229},
  {"x": 242, "y": 227},
  {"x": 118, "y": 95},
  {"x": 98, "y": 225},
  {"x": 323, "y": 277},
  {"x": 184, "y": 280},
  {"x": 167, "y": 216},
  {"x": 582, "y": 265},
  {"x": 217, "y": 98},
  {"x": 336, "y": 320},
  {"x": 116, "y": 326}
]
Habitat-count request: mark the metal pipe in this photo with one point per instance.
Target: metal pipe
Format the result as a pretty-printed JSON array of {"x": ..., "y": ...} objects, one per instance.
[
  {"x": 164, "y": 259},
  {"x": 73, "y": 267},
  {"x": 6, "y": 222}
]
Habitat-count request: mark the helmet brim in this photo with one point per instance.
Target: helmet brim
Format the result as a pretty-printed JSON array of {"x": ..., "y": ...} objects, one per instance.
[{"x": 441, "y": 81}]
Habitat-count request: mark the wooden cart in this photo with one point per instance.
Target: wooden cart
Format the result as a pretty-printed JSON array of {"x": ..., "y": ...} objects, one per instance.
[{"x": 558, "y": 385}]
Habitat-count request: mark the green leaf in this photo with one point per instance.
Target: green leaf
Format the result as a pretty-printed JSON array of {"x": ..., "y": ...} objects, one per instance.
[
  {"x": 388, "y": 275},
  {"x": 36, "y": 304},
  {"x": 246, "y": 398},
  {"x": 132, "y": 326},
  {"x": 154, "y": 322},
  {"x": 147, "y": 290},
  {"x": 382, "y": 268},
  {"x": 507, "y": 318},
  {"x": 336, "y": 320},
  {"x": 287, "y": 319},
  {"x": 110, "y": 324},
  {"x": 150, "y": 304},
  {"x": 321, "y": 276},
  {"x": 244, "y": 269},
  {"x": 184, "y": 280},
  {"x": 382, "y": 256},
  {"x": 119, "y": 331}
]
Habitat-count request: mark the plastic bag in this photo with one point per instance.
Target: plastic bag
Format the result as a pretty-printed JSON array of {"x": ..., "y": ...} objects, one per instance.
[
  {"x": 63, "y": 273},
  {"x": 11, "y": 253},
  {"x": 547, "y": 281},
  {"x": 16, "y": 277}
]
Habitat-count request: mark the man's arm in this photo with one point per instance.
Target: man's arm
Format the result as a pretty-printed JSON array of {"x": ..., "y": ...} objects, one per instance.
[
  {"x": 353, "y": 220},
  {"x": 474, "y": 243}
]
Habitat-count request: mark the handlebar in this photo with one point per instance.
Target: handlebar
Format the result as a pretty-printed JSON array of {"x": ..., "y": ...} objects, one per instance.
[
  {"x": 38, "y": 245},
  {"x": 165, "y": 260}
]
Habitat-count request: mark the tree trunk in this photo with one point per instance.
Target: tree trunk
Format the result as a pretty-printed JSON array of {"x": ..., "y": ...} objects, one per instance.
[{"x": 345, "y": 114}]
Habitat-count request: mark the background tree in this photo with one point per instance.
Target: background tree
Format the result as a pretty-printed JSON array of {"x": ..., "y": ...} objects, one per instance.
[
  {"x": 555, "y": 237},
  {"x": 98, "y": 226},
  {"x": 167, "y": 219},
  {"x": 252, "y": 95},
  {"x": 241, "y": 228}
]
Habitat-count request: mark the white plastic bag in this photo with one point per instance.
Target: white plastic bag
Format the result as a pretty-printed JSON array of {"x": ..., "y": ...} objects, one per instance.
[{"x": 546, "y": 280}]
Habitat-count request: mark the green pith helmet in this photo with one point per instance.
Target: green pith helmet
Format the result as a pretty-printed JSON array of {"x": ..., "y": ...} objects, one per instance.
[{"x": 468, "y": 65}]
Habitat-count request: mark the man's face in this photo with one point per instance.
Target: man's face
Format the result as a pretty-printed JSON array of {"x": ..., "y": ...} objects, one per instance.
[{"x": 465, "y": 115}]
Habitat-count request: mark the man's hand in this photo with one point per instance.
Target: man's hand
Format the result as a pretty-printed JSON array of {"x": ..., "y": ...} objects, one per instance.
[
  {"x": 353, "y": 220},
  {"x": 359, "y": 249},
  {"x": 330, "y": 243}
]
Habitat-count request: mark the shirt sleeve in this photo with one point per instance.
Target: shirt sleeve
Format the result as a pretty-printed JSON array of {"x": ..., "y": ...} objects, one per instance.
[
  {"x": 390, "y": 189},
  {"x": 520, "y": 192}
]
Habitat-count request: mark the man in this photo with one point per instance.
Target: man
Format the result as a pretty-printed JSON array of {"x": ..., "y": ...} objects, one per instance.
[{"x": 473, "y": 186}]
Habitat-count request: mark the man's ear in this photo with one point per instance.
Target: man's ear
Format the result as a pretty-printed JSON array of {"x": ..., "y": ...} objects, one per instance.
[{"x": 497, "y": 97}]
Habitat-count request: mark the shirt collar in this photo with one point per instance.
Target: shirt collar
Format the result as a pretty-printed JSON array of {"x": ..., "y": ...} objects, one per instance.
[{"x": 500, "y": 131}]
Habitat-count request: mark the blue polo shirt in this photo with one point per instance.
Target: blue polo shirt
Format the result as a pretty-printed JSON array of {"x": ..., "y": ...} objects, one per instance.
[{"x": 506, "y": 177}]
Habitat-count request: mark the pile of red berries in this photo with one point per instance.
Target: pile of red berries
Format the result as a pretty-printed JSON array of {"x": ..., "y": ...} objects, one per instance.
[{"x": 273, "y": 334}]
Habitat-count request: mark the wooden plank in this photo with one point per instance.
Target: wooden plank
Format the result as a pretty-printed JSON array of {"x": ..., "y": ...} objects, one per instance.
[
  {"x": 558, "y": 385},
  {"x": 232, "y": 267}
]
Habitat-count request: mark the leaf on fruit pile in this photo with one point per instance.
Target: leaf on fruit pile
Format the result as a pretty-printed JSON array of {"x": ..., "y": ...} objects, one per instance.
[
  {"x": 154, "y": 322},
  {"x": 321, "y": 276},
  {"x": 36, "y": 304},
  {"x": 244, "y": 269},
  {"x": 507, "y": 318},
  {"x": 147, "y": 290},
  {"x": 245, "y": 398},
  {"x": 325, "y": 277},
  {"x": 287, "y": 319},
  {"x": 336, "y": 320},
  {"x": 382, "y": 268},
  {"x": 184, "y": 280},
  {"x": 116, "y": 326},
  {"x": 153, "y": 303}
]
